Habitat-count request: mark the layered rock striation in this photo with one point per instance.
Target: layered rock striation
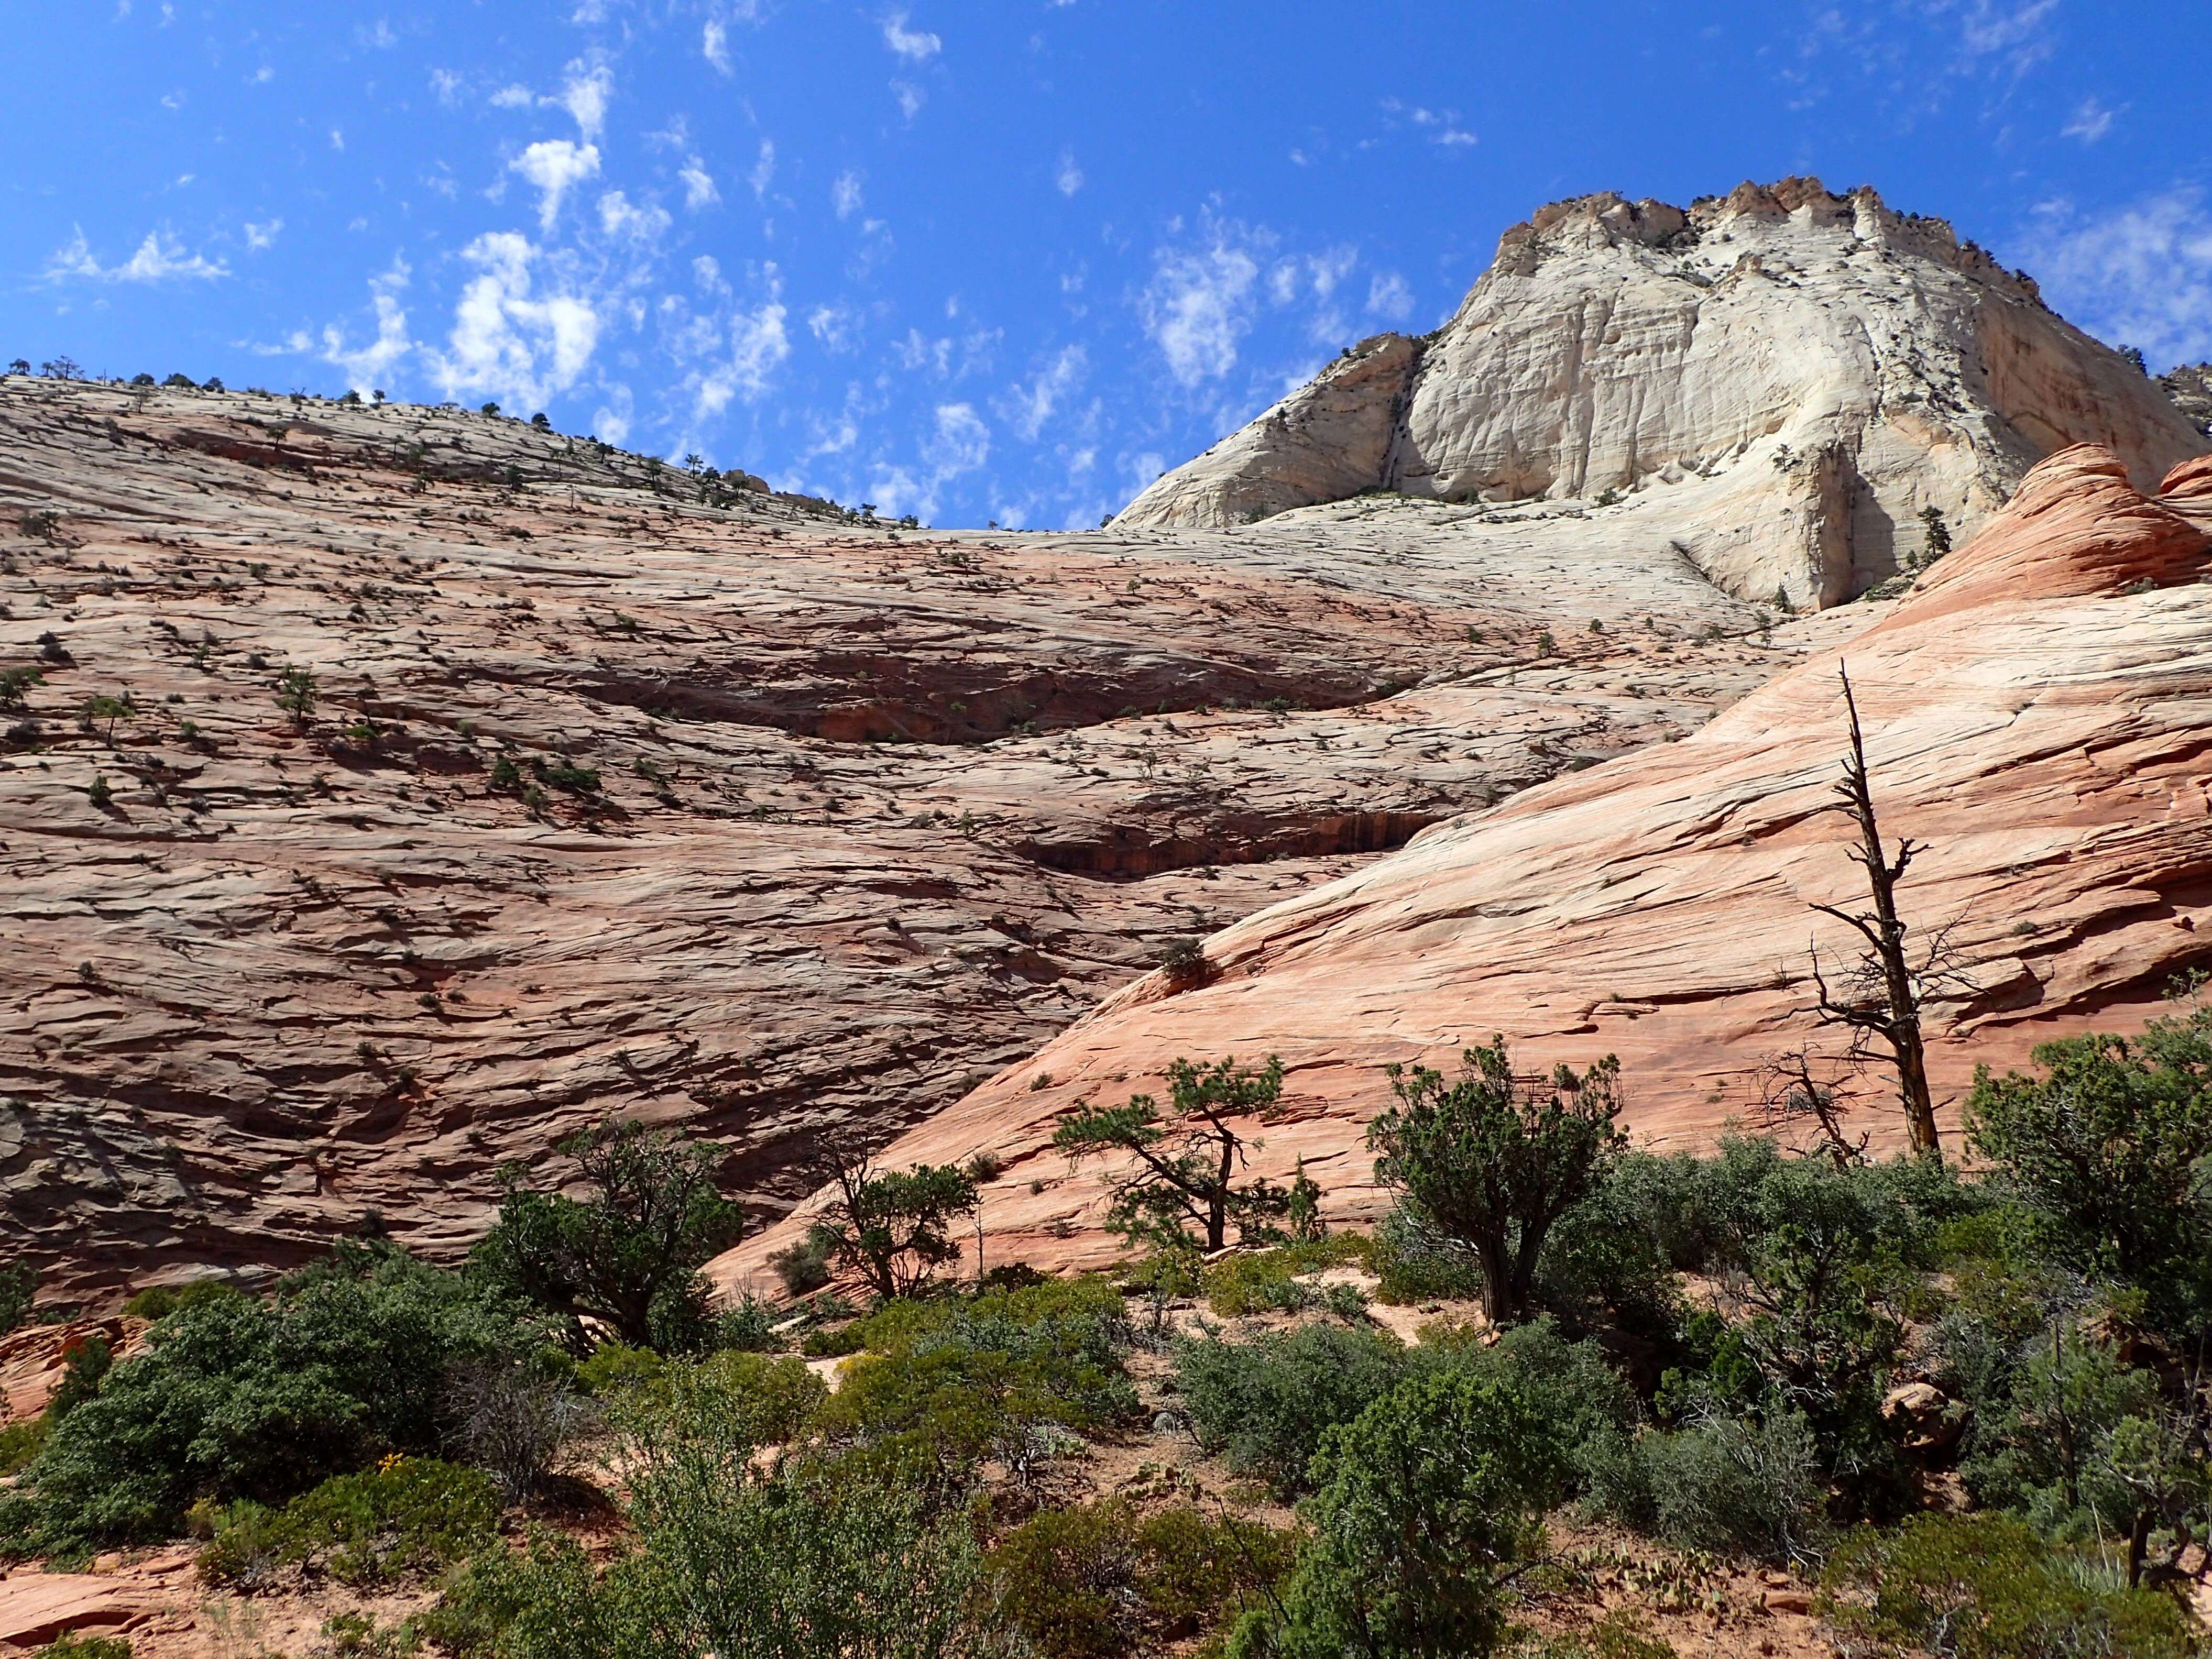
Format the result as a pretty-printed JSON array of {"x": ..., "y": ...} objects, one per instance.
[
  {"x": 722, "y": 813},
  {"x": 1796, "y": 375},
  {"x": 2038, "y": 712}
]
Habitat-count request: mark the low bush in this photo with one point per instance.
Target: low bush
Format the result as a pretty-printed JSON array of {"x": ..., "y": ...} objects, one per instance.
[
  {"x": 158, "y": 1301},
  {"x": 1985, "y": 1587},
  {"x": 1263, "y": 1405},
  {"x": 240, "y": 1398},
  {"x": 1099, "y": 1580},
  {"x": 408, "y": 1515},
  {"x": 1422, "y": 1505},
  {"x": 76, "y": 1646},
  {"x": 1415, "y": 1262},
  {"x": 1729, "y": 1484},
  {"x": 1252, "y": 1281}
]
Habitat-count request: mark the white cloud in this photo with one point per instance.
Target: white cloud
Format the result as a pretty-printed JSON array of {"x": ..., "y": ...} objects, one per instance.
[
  {"x": 698, "y": 184},
  {"x": 845, "y": 194},
  {"x": 2091, "y": 122},
  {"x": 508, "y": 339},
  {"x": 553, "y": 164},
  {"x": 916, "y": 45},
  {"x": 1388, "y": 298},
  {"x": 2140, "y": 275},
  {"x": 263, "y": 235},
  {"x": 716, "y": 45},
  {"x": 757, "y": 344},
  {"x": 1032, "y": 406},
  {"x": 909, "y": 97},
  {"x": 584, "y": 96},
  {"x": 368, "y": 366},
  {"x": 764, "y": 172},
  {"x": 338, "y": 139},
  {"x": 448, "y": 86},
  {"x": 620, "y": 219},
  {"x": 834, "y": 326},
  {"x": 158, "y": 259},
  {"x": 1197, "y": 306},
  {"x": 1456, "y": 136},
  {"x": 957, "y": 442},
  {"x": 1069, "y": 179},
  {"x": 512, "y": 97},
  {"x": 2013, "y": 30}
]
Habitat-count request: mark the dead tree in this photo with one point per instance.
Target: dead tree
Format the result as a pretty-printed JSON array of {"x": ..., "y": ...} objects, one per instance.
[
  {"x": 1883, "y": 1001},
  {"x": 1792, "y": 1090}
]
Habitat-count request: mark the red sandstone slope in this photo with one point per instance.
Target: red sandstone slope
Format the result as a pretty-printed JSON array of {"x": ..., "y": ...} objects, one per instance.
[{"x": 2039, "y": 711}]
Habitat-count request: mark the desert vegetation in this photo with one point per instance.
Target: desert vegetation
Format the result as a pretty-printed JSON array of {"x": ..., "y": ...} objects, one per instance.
[{"x": 1963, "y": 1407}]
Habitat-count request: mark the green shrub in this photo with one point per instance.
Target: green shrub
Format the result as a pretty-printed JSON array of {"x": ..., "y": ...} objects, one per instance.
[
  {"x": 19, "y": 1284},
  {"x": 1422, "y": 1505},
  {"x": 76, "y": 1646},
  {"x": 2110, "y": 1145},
  {"x": 725, "y": 1564},
  {"x": 20, "y": 1443},
  {"x": 628, "y": 1257},
  {"x": 1415, "y": 1262},
  {"x": 1264, "y": 1404},
  {"x": 157, "y": 1301},
  {"x": 409, "y": 1515},
  {"x": 1985, "y": 1587},
  {"x": 239, "y": 1398},
  {"x": 615, "y": 1366},
  {"x": 1250, "y": 1281},
  {"x": 1734, "y": 1485},
  {"x": 949, "y": 1382},
  {"x": 1099, "y": 1581}
]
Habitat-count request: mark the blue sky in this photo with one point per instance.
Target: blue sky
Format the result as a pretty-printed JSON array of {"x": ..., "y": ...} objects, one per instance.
[{"x": 998, "y": 259}]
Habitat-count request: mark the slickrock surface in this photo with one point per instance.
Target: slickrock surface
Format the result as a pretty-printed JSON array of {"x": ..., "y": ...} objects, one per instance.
[
  {"x": 1780, "y": 356},
  {"x": 876, "y": 814},
  {"x": 2039, "y": 711}
]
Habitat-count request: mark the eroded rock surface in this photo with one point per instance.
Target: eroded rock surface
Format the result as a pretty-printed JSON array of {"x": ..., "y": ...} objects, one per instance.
[
  {"x": 1778, "y": 355},
  {"x": 612, "y": 800},
  {"x": 2038, "y": 712}
]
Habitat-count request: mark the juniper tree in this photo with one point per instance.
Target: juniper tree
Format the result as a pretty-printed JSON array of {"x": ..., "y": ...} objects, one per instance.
[
  {"x": 1493, "y": 1160},
  {"x": 1181, "y": 1172}
]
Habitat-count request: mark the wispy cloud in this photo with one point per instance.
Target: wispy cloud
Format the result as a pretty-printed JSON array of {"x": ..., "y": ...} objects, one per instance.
[
  {"x": 698, "y": 184},
  {"x": 368, "y": 367},
  {"x": 509, "y": 339},
  {"x": 1030, "y": 407},
  {"x": 764, "y": 172},
  {"x": 1069, "y": 178},
  {"x": 159, "y": 260},
  {"x": 845, "y": 195},
  {"x": 1198, "y": 305},
  {"x": 263, "y": 235},
  {"x": 584, "y": 95},
  {"x": 2139, "y": 274},
  {"x": 2091, "y": 122},
  {"x": 1388, "y": 298},
  {"x": 715, "y": 45},
  {"x": 916, "y": 45},
  {"x": 554, "y": 165}
]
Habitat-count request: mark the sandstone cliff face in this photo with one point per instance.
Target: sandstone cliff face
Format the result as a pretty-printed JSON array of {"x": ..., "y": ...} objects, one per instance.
[
  {"x": 808, "y": 825},
  {"x": 1800, "y": 360},
  {"x": 2038, "y": 710}
]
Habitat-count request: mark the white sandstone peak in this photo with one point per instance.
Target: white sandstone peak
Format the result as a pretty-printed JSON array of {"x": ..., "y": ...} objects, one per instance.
[{"x": 1801, "y": 373}]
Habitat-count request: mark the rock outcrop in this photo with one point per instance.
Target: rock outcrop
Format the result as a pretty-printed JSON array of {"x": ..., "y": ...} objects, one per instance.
[
  {"x": 1799, "y": 375},
  {"x": 2038, "y": 712},
  {"x": 611, "y": 801}
]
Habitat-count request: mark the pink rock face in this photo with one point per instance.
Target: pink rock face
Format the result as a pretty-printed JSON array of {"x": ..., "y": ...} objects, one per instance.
[
  {"x": 723, "y": 813},
  {"x": 2038, "y": 712},
  {"x": 34, "y": 1359},
  {"x": 36, "y": 1607}
]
